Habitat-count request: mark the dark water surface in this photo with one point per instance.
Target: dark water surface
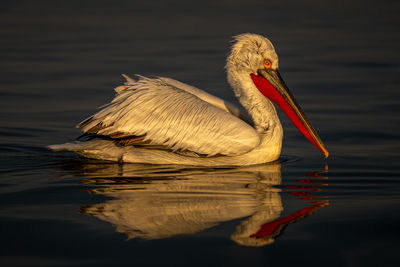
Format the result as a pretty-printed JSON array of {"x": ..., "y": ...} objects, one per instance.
[{"x": 61, "y": 59}]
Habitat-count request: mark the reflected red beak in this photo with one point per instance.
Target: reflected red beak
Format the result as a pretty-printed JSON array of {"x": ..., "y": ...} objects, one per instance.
[{"x": 271, "y": 85}]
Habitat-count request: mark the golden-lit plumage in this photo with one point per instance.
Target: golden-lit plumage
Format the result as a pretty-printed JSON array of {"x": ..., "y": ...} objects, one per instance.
[{"x": 164, "y": 121}]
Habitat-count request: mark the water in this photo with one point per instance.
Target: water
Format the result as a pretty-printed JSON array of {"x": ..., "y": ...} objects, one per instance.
[{"x": 60, "y": 60}]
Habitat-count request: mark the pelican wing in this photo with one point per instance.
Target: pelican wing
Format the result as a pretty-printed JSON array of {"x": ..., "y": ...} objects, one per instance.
[
  {"x": 216, "y": 101},
  {"x": 159, "y": 113}
]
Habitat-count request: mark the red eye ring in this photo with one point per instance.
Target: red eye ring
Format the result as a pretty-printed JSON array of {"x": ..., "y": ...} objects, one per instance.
[{"x": 267, "y": 63}]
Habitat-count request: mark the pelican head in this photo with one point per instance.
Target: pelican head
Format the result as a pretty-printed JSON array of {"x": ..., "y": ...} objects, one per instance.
[{"x": 252, "y": 68}]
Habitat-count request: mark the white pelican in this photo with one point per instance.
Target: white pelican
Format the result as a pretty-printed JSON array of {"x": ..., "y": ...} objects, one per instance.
[{"x": 164, "y": 121}]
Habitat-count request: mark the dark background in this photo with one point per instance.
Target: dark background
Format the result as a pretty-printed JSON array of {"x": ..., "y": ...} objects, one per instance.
[{"x": 61, "y": 59}]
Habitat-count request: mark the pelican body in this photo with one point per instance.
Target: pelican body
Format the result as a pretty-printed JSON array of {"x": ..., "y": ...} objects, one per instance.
[{"x": 164, "y": 121}]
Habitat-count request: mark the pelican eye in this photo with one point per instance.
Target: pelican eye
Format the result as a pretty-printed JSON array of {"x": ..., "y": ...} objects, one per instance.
[{"x": 267, "y": 63}]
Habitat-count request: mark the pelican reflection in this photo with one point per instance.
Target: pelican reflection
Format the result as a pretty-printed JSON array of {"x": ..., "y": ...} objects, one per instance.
[{"x": 153, "y": 202}]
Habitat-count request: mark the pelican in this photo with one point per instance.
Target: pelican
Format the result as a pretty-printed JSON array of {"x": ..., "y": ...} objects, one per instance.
[{"x": 164, "y": 121}]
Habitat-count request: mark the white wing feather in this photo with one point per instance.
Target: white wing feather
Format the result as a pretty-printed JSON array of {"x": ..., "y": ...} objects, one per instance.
[
  {"x": 167, "y": 115},
  {"x": 216, "y": 101}
]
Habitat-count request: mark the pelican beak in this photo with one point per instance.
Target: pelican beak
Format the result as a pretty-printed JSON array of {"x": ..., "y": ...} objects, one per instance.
[{"x": 271, "y": 84}]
